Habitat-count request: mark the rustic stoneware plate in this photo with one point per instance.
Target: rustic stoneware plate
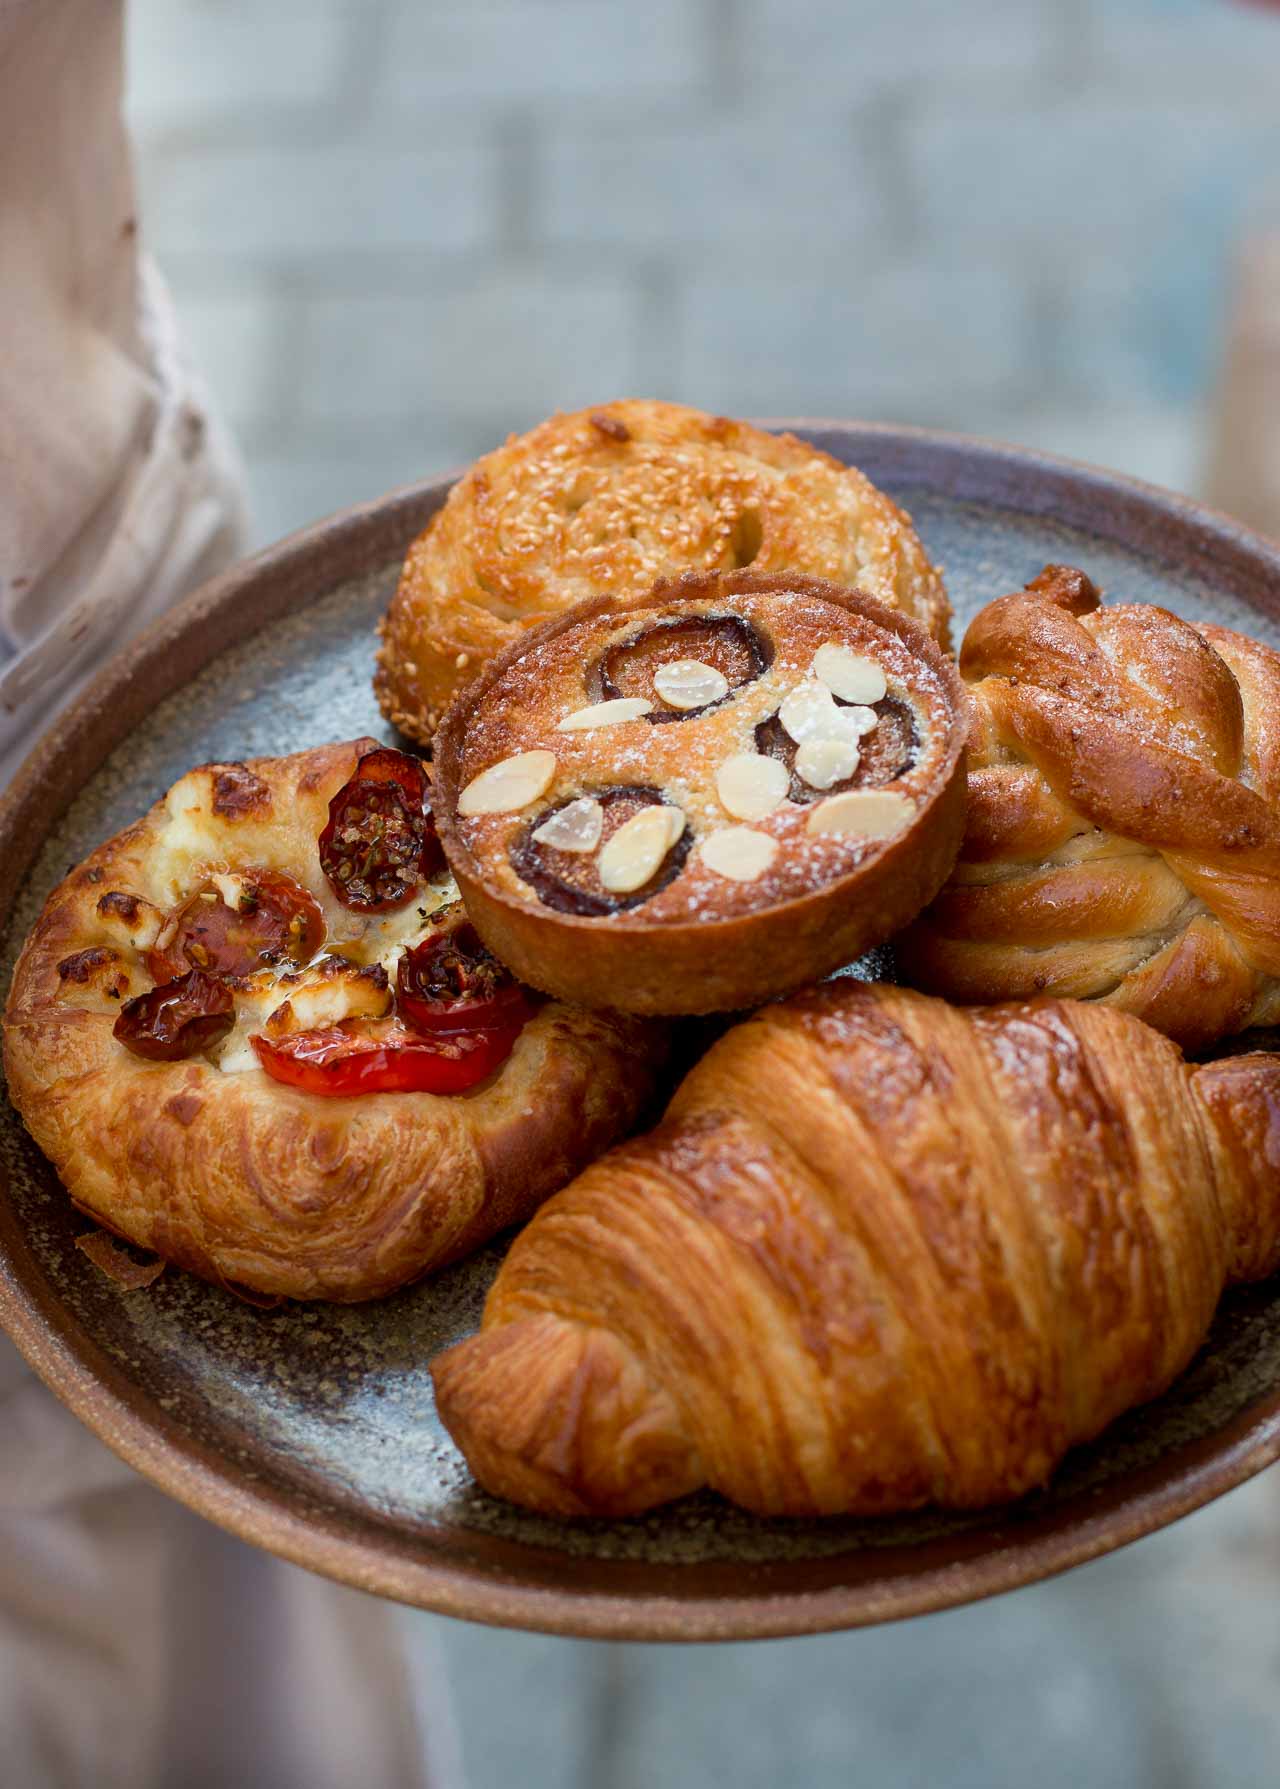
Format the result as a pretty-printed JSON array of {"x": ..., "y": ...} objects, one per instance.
[{"x": 311, "y": 1431}]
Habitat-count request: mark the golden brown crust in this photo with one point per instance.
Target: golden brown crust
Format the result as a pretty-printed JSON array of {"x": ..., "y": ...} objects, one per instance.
[
  {"x": 607, "y": 500},
  {"x": 881, "y": 1252},
  {"x": 240, "y": 1178},
  {"x": 1123, "y": 840},
  {"x": 702, "y": 942}
]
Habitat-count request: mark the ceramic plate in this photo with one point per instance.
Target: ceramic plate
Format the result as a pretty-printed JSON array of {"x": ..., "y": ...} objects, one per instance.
[{"x": 311, "y": 1430}]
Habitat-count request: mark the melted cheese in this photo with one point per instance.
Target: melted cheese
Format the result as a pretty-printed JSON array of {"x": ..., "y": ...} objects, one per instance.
[
  {"x": 138, "y": 933},
  {"x": 321, "y": 997},
  {"x": 254, "y": 1007},
  {"x": 192, "y": 848},
  {"x": 384, "y": 937},
  {"x": 191, "y": 838}
]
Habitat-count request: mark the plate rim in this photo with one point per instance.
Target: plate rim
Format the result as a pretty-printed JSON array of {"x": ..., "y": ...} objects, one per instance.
[{"x": 1008, "y": 1548}]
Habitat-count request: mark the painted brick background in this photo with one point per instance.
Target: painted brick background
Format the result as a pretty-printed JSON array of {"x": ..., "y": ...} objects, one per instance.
[{"x": 398, "y": 229}]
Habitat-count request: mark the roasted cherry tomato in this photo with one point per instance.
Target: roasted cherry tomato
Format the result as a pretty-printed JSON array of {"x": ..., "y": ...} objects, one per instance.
[
  {"x": 176, "y": 1019},
  {"x": 274, "y": 920},
  {"x": 386, "y": 765},
  {"x": 451, "y": 983},
  {"x": 383, "y": 1058},
  {"x": 381, "y": 840}
]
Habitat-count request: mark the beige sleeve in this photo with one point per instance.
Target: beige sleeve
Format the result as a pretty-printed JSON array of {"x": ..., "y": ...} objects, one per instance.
[{"x": 118, "y": 493}]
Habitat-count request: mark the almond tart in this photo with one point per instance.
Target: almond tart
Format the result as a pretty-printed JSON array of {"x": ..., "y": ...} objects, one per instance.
[{"x": 700, "y": 798}]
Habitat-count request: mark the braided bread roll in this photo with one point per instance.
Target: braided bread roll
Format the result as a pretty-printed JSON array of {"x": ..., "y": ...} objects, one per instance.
[
  {"x": 881, "y": 1252},
  {"x": 1123, "y": 840}
]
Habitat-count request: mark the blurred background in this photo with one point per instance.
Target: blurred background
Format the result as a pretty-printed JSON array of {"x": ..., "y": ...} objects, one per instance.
[{"x": 397, "y": 231}]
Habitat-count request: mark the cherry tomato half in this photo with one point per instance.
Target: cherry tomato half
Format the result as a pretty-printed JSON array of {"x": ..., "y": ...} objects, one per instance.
[
  {"x": 275, "y": 919},
  {"x": 386, "y": 765},
  {"x": 176, "y": 1019},
  {"x": 380, "y": 840},
  {"x": 451, "y": 982},
  {"x": 385, "y": 1058}
]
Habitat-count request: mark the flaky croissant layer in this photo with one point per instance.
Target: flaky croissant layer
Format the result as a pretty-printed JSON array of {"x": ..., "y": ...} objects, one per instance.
[{"x": 881, "y": 1252}]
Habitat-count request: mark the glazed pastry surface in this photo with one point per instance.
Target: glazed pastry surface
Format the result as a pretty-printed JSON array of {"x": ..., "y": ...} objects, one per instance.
[
  {"x": 607, "y": 500},
  {"x": 881, "y": 1252},
  {"x": 1123, "y": 839}
]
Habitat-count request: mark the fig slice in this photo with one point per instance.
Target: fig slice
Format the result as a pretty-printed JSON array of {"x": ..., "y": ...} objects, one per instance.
[
  {"x": 887, "y": 752},
  {"x": 569, "y": 881},
  {"x": 725, "y": 645}
]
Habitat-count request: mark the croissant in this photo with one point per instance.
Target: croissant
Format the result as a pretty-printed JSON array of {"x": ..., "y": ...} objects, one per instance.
[
  {"x": 1123, "y": 839},
  {"x": 881, "y": 1252}
]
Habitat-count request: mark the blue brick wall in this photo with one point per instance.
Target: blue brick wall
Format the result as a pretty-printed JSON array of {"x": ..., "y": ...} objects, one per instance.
[{"x": 397, "y": 230}]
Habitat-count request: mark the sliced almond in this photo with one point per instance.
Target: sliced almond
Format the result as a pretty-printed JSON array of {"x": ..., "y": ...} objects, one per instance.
[
  {"x": 848, "y": 674},
  {"x": 632, "y": 856},
  {"x": 576, "y": 827},
  {"x": 739, "y": 853},
  {"x": 509, "y": 785},
  {"x": 823, "y": 761},
  {"x": 862, "y": 813},
  {"x": 604, "y": 714},
  {"x": 809, "y": 711},
  {"x": 750, "y": 785},
  {"x": 856, "y": 723},
  {"x": 687, "y": 683}
]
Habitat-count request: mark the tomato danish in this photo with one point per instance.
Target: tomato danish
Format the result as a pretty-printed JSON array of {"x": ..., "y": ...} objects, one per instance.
[{"x": 256, "y": 1033}]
